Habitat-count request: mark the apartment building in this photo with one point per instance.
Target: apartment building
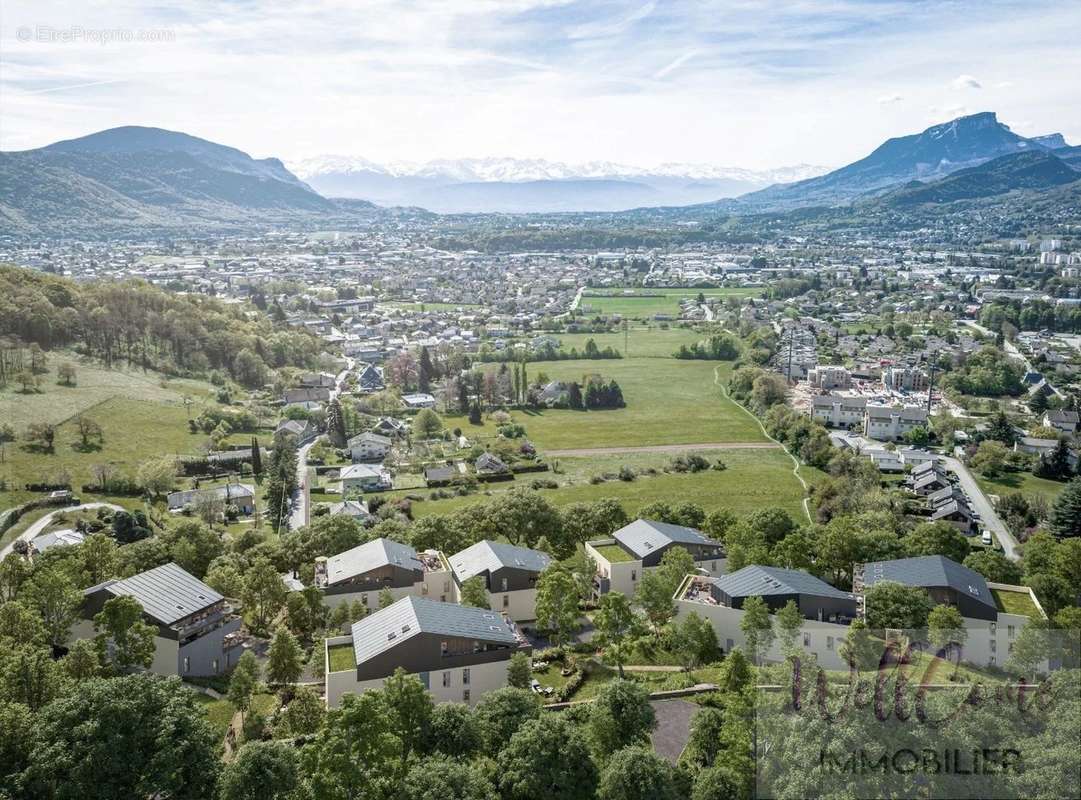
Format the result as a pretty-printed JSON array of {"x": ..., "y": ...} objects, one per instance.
[
  {"x": 363, "y": 572},
  {"x": 838, "y": 411},
  {"x": 198, "y": 635},
  {"x": 509, "y": 573},
  {"x": 829, "y": 377},
  {"x": 639, "y": 546},
  {"x": 458, "y": 652},
  {"x": 890, "y": 424}
]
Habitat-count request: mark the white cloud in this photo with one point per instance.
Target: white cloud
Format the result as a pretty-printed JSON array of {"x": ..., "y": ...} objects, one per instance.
[
  {"x": 675, "y": 64},
  {"x": 888, "y": 99},
  {"x": 965, "y": 82}
]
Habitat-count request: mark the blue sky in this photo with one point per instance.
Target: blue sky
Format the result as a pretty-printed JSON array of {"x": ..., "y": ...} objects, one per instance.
[{"x": 752, "y": 83}]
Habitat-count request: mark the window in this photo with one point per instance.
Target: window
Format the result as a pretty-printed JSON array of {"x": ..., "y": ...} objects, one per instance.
[
  {"x": 806, "y": 640},
  {"x": 446, "y": 586},
  {"x": 1009, "y": 631},
  {"x": 504, "y": 584},
  {"x": 1009, "y": 648},
  {"x": 446, "y": 679},
  {"x": 213, "y": 665},
  {"x": 994, "y": 628},
  {"x": 364, "y": 599},
  {"x": 424, "y": 588},
  {"x": 729, "y": 644},
  {"x": 465, "y": 676},
  {"x": 994, "y": 646},
  {"x": 465, "y": 695},
  {"x": 712, "y": 566},
  {"x": 829, "y": 642},
  {"x": 506, "y": 601},
  {"x": 442, "y": 598},
  {"x": 634, "y": 574},
  {"x": 443, "y": 648},
  {"x": 187, "y": 664}
]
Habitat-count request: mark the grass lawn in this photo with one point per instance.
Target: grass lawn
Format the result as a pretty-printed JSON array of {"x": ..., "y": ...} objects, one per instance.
[
  {"x": 341, "y": 657},
  {"x": 640, "y": 302},
  {"x": 668, "y": 402},
  {"x": 134, "y": 430},
  {"x": 1024, "y": 482},
  {"x": 220, "y": 712},
  {"x": 754, "y": 479},
  {"x": 641, "y": 342},
  {"x": 1015, "y": 603},
  {"x": 614, "y": 553}
]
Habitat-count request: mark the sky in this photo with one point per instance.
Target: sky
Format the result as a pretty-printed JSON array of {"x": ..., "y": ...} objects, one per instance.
[{"x": 746, "y": 83}]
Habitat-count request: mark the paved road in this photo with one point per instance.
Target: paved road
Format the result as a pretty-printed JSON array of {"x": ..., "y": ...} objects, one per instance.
[
  {"x": 300, "y": 502},
  {"x": 989, "y": 519},
  {"x": 661, "y": 448},
  {"x": 673, "y": 729},
  {"x": 38, "y": 527}
]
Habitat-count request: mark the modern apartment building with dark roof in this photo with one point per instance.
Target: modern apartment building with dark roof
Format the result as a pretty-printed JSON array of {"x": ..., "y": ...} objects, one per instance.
[
  {"x": 363, "y": 572},
  {"x": 640, "y": 545},
  {"x": 509, "y": 572},
  {"x": 198, "y": 635},
  {"x": 459, "y": 653}
]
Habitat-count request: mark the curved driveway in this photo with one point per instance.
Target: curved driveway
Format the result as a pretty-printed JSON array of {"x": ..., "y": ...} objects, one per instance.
[{"x": 38, "y": 527}]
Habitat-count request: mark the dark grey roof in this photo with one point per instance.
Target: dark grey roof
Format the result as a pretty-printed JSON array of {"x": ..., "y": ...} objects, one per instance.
[
  {"x": 756, "y": 580},
  {"x": 488, "y": 556},
  {"x": 409, "y": 616},
  {"x": 930, "y": 572},
  {"x": 371, "y": 555},
  {"x": 166, "y": 593},
  {"x": 644, "y": 536}
]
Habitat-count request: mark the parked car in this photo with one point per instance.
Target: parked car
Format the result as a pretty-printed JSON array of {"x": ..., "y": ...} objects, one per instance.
[{"x": 985, "y": 537}]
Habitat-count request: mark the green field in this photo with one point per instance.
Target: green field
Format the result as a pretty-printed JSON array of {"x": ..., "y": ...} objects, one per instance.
[
  {"x": 341, "y": 658},
  {"x": 1024, "y": 482},
  {"x": 648, "y": 342},
  {"x": 669, "y": 402},
  {"x": 754, "y": 479},
  {"x": 643, "y": 303}
]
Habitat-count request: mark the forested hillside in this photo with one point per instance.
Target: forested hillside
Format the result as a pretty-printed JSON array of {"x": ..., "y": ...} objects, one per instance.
[{"x": 147, "y": 327}]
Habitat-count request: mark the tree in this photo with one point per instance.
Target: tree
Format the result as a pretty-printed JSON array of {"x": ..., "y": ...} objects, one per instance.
[
  {"x": 65, "y": 374},
  {"x": 1055, "y": 466},
  {"x": 990, "y": 459},
  {"x": 285, "y": 659},
  {"x": 1002, "y": 430},
  {"x": 718, "y": 783},
  {"x": 98, "y": 556},
  {"x": 159, "y": 742},
  {"x": 256, "y": 457},
  {"x": 14, "y": 571},
  {"x": 894, "y": 605},
  {"x": 615, "y": 623},
  {"x": 1030, "y": 649},
  {"x": 122, "y": 635},
  {"x": 82, "y": 661},
  {"x": 128, "y": 528},
  {"x": 244, "y": 682},
  {"x": 620, "y": 716},
  {"x": 937, "y": 539},
  {"x": 193, "y": 546},
  {"x": 56, "y": 600},
  {"x": 409, "y": 707},
  {"x": 654, "y": 595},
  {"x": 859, "y": 649},
  {"x": 519, "y": 671},
  {"x": 42, "y": 435},
  {"x": 789, "y": 624},
  {"x": 263, "y": 593},
  {"x": 386, "y": 599},
  {"x": 637, "y": 773},
  {"x": 305, "y": 712},
  {"x": 676, "y": 564},
  {"x": 88, "y": 429},
  {"x": 694, "y": 641},
  {"x": 757, "y": 627},
  {"x": 454, "y": 730},
  {"x": 502, "y": 713},
  {"x": 157, "y": 475},
  {"x": 427, "y": 424},
  {"x": 994, "y": 566},
  {"x": 442, "y": 778},
  {"x": 261, "y": 770},
  {"x": 474, "y": 592},
  {"x": 946, "y": 628},
  {"x": 547, "y": 757},
  {"x": 557, "y": 603},
  {"x": 523, "y": 516},
  {"x": 1065, "y": 519},
  {"x": 474, "y": 413}
]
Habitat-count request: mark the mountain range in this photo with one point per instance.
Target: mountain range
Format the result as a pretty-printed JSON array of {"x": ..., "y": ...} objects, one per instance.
[
  {"x": 513, "y": 185},
  {"x": 135, "y": 181}
]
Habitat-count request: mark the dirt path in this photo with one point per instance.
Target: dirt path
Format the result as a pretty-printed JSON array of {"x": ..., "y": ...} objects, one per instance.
[{"x": 661, "y": 448}]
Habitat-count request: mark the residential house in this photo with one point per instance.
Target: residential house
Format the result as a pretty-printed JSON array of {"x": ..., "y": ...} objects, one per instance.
[
  {"x": 61, "y": 538},
  {"x": 303, "y": 394},
  {"x": 365, "y": 478},
  {"x": 318, "y": 380},
  {"x": 441, "y": 475},
  {"x": 904, "y": 379},
  {"x": 354, "y": 509},
  {"x": 459, "y": 653},
  {"x": 390, "y": 426},
  {"x": 490, "y": 464},
  {"x": 509, "y": 572},
  {"x": 639, "y": 546},
  {"x": 370, "y": 379},
  {"x": 239, "y": 495},
  {"x": 362, "y": 572},
  {"x": 826, "y": 611},
  {"x": 369, "y": 446},
  {"x": 197, "y": 634},
  {"x": 302, "y": 429},
  {"x": 926, "y": 479},
  {"x": 1062, "y": 421},
  {"x": 1042, "y": 447},
  {"x": 951, "y": 505},
  {"x": 838, "y": 411},
  {"x": 418, "y": 400}
]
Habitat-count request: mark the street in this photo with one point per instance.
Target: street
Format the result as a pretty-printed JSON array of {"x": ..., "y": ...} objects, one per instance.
[
  {"x": 38, "y": 527},
  {"x": 982, "y": 506}
]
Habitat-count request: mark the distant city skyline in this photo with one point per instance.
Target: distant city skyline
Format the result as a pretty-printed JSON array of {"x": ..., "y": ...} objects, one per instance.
[{"x": 757, "y": 85}]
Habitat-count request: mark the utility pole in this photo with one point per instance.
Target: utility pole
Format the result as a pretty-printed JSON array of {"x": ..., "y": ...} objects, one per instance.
[
  {"x": 789, "y": 375},
  {"x": 626, "y": 333},
  {"x": 930, "y": 388}
]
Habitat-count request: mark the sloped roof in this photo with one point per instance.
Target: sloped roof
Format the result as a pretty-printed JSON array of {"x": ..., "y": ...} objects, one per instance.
[
  {"x": 644, "y": 536},
  {"x": 930, "y": 572},
  {"x": 488, "y": 556},
  {"x": 757, "y": 580},
  {"x": 166, "y": 593},
  {"x": 371, "y": 555},
  {"x": 410, "y": 616}
]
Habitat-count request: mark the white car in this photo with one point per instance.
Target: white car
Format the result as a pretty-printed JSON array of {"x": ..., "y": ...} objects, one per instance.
[{"x": 985, "y": 537}]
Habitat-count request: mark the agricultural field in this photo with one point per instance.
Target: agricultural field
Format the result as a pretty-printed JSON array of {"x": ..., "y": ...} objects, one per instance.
[
  {"x": 753, "y": 479},
  {"x": 642, "y": 303},
  {"x": 669, "y": 402},
  {"x": 651, "y": 341}
]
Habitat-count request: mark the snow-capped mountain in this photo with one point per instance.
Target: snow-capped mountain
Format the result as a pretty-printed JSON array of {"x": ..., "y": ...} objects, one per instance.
[{"x": 515, "y": 184}]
